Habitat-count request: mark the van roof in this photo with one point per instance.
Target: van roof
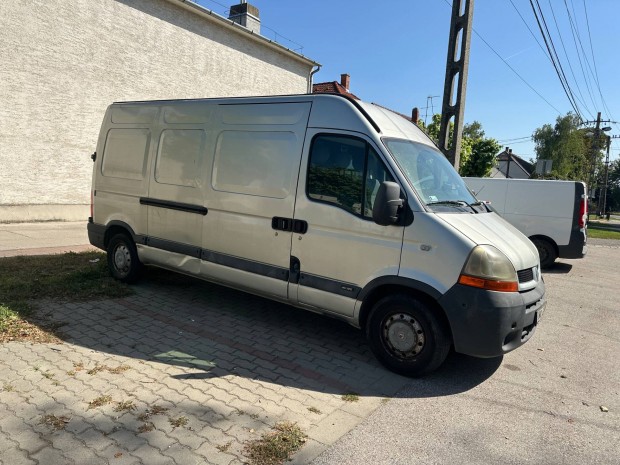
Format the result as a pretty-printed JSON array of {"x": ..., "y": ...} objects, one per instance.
[{"x": 385, "y": 122}]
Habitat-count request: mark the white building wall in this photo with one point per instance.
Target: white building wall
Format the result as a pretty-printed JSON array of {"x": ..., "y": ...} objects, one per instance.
[{"x": 62, "y": 62}]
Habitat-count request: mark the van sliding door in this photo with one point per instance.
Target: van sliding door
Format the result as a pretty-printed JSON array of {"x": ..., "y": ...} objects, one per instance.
[{"x": 251, "y": 196}]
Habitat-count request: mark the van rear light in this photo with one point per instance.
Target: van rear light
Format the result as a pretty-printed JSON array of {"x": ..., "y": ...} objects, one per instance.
[
  {"x": 91, "y": 204},
  {"x": 583, "y": 212}
]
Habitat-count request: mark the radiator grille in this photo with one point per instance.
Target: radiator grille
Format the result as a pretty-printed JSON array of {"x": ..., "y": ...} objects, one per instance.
[{"x": 526, "y": 275}]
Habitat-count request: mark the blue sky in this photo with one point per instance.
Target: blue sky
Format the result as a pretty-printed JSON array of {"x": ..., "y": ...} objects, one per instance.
[{"x": 395, "y": 52}]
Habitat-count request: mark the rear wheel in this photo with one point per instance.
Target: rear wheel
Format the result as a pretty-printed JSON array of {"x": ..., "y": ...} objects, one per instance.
[
  {"x": 406, "y": 336},
  {"x": 546, "y": 251},
  {"x": 123, "y": 260}
]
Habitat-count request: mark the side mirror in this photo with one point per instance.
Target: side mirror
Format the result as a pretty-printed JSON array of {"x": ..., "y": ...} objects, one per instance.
[{"x": 387, "y": 204}]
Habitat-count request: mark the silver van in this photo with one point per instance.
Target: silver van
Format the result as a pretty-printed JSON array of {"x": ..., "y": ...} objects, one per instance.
[{"x": 329, "y": 204}]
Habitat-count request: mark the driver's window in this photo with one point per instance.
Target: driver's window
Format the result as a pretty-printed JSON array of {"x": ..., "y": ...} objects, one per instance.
[{"x": 345, "y": 172}]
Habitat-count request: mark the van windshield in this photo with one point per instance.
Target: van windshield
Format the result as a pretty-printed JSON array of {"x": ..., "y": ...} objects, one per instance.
[{"x": 430, "y": 174}]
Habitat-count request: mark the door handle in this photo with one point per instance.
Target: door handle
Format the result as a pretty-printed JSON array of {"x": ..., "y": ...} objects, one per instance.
[{"x": 289, "y": 224}]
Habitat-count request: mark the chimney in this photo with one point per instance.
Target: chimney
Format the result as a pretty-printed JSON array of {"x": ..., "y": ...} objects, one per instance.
[
  {"x": 415, "y": 115},
  {"x": 345, "y": 81},
  {"x": 246, "y": 15}
]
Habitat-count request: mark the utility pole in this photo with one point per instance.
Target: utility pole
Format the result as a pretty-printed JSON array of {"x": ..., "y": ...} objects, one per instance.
[
  {"x": 604, "y": 210},
  {"x": 456, "y": 79},
  {"x": 597, "y": 134},
  {"x": 595, "y": 152},
  {"x": 604, "y": 196}
]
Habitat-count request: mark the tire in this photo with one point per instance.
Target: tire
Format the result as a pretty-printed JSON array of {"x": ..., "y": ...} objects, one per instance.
[
  {"x": 546, "y": 251},
  {"x": 406, "y": 336},
  {"x": 123, "y": 260}
]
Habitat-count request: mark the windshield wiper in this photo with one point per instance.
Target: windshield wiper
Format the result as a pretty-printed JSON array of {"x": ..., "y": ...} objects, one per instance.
[{"x": 459, "y": 203}]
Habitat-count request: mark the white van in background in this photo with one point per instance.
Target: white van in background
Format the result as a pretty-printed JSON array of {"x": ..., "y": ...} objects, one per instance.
[
  {"x": 325, "y": 203},
  {"x": 553, "y": 214}
]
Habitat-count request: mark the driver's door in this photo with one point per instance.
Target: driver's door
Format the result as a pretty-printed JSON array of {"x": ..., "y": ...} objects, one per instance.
[{"x": 343, "y": 249}]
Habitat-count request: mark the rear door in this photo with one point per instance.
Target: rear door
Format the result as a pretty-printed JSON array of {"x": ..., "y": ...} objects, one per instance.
[{"x": 342, "y": 249}]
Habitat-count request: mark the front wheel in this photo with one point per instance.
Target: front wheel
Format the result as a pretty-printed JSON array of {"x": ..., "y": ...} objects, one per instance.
[
  {"x": 406, "y": 336},
  {"x": 546, "y": 251},
  {"x": 123, "y": 260}
]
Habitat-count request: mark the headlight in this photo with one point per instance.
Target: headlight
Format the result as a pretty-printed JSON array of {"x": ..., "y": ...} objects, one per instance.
[{"x": 488, "y": 268}]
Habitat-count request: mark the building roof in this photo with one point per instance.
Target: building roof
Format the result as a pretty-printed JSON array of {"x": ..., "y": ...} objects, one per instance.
[
  {"x": 212, "y": 16},
  {"x": 523, "y": 165},
  {"x": 332, "y": 87}
]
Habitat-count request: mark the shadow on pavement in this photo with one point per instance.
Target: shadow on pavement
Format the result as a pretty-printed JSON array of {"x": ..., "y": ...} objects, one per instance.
[
  {"x": 559, "y": 268},
  {"x": 210, "y": 331}
]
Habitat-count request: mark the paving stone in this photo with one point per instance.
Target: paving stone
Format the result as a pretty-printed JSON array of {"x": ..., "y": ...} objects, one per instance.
[
  {"x": 49, "y": 455},
  {"x": 183, "y": 455},
  {"x": 214, "y": 456},
  {"x": 16, "y": 457},
  {"x": 152, "y": 456}
]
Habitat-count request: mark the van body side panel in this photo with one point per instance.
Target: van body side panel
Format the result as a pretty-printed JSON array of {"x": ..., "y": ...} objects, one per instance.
[
  {"x": 121, "y": 169},
  {"x": 253, "y": 179},
  {"x": 433, "y": 254},
  {"x": 175, "y": 201}
]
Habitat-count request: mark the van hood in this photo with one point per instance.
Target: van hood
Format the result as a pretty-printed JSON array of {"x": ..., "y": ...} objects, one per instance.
[{"x": 492, "y": 229}]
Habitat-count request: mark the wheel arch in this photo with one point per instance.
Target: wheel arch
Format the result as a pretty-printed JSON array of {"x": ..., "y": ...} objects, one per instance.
[
  {"x": 546, "y": 239},
  {"x": 382, "y": 287},
  {"x": 118, "y": 227}
]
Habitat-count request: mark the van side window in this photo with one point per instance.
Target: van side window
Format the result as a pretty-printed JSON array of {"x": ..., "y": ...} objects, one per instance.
[
  {"x": 178, "y": 157},
  {"x": 125, "y": 153},
  {"x": 346, "y": 172},
  {"x": 255, "y": 163}
]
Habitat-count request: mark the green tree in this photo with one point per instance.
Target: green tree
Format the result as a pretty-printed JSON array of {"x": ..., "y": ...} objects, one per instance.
[
  {"x": 570, "y": 148},
  {"x": 482, "y": 158},
  {"x": 613, "y": 186},
  {"x": 476, "y": 158}
]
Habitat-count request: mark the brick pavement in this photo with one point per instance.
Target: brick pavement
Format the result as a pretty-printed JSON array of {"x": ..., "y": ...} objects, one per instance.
[{"x": 232, "y": 364}]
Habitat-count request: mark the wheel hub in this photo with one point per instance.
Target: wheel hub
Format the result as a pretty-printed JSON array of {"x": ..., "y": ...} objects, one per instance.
[
  {"x": 403, "y": 335},
  {"x": 122, "y": 259}
]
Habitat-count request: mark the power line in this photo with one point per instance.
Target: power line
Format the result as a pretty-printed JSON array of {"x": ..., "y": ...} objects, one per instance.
[
  {"x": 598, "y": 83},
  {"x": 577, "y": 38},
  {"x": 553, "y": 54},
  {"x": 568, "y": 59}
]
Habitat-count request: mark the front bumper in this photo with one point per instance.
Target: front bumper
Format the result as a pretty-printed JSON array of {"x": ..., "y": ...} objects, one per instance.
[{"x": 490, "y": 324}]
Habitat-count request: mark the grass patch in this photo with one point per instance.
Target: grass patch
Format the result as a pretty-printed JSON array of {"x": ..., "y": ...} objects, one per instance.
[
  {"x": 594, "y": 232},
  {"x": 314, "y": 410},
  {"x": 146, "y": 427},
  {"x": 178, "y": 422},
  {"x": 350, "y": 397},
  {"x": 125, "y": 406},
  {"x": 224, "y": 447},
  {"x": 65, "y": 277},
  {"x": 54, "y": 421},
  {"x": 276, "y": 447},
  {"x": 99, "y": 402},
  {"x": 154, "y": 410},
  {"x": 8, "y": 387}
]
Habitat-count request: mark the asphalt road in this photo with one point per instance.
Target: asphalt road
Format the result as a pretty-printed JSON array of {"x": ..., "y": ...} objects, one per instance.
[{"x": 540, "y": 404}]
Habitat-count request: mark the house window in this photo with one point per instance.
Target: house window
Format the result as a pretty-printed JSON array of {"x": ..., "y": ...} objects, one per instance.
[{"x": 345, "y": 172}]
